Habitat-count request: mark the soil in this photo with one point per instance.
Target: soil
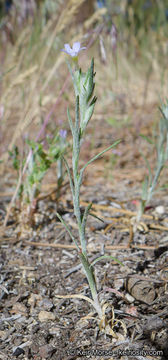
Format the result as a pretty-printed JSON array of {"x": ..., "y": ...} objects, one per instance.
[{"x": 39, "y": 262}]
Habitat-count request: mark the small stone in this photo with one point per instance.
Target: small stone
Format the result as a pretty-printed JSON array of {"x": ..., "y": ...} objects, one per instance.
[
  {"x": 46, "y": 315},
  {"x": 33, "y": 300},
  {"x": 118, "y": 283},
  {"x": 46, "y": 304},
  {"x": 38, "y": 218},
  {"x": 18, "y": 351},
  {"x": 141, "y": 290},
  {"x": 129, "y": 298},
  {"x": 160, "y": 210},
  {"x": 3, "y": 334},
  {"x": 46, "y": 351},
  {"x": 55, "y": 331},
  {"x": 19, "y": 308}
]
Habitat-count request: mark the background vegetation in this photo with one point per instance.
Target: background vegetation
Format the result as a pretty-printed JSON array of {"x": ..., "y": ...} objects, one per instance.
[{"x": 128, "y": 40}]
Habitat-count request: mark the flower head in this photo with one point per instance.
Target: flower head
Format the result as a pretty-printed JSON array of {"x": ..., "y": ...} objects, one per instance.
[
  {"x": 73, "y": 52},
  {"x": 63, "y": 133}
]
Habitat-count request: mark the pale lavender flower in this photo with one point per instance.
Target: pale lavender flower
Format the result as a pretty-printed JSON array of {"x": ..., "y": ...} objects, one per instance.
[
  {"x": 74, "y": 51},
  {"x": 63, "y": 133}
]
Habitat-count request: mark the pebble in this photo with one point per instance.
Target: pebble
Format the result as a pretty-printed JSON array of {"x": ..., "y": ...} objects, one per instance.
[
  {"x": 3, "y": 334},
  {"x": 129, "y": 298},
  {"x": 160, "y": 210},
  {"x": 19, "y": 308},
  {"x": 46, "y": 351},
  {"x": 18, "y": 351},
  {"x": 46, "y": 315},
  {"x": 46, "y": 304}
]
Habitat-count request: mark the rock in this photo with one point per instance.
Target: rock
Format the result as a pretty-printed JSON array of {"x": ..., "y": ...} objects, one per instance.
[
  {"x": 18, "y": 351},
  {"x": 141, "y": 290},
  {"x": 160, "y": 210},
  {"x": 46, "y": 304},
  {"x": 46, "y": 351},
  {"x": 19, "y": 308},
  {"x": 129, "y": 298},
  {"x": 3, "y": 335},
  {"x": 46, "y": 315}
]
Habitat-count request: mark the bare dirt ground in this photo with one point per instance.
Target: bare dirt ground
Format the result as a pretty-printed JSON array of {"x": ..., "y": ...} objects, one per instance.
[{"x": 40, "y": 263}]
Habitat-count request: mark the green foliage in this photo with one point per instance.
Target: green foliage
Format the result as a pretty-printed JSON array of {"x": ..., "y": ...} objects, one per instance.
[
  {"x": 40, "y": 161},
  {"x": 150, "y": 141},
  {"x": 145, "y": 14},
  {"x": 84, "y": 87},
  {"x": 139, "y": 16},
  {"x": 84, "y": 106},
  {"x": 161, "y": 146},
  {"x": 15, "y": 158}
]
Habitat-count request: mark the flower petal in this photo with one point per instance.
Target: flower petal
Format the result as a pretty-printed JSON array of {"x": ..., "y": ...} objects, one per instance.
[
  {"x": 76, "y": 46},
  {"x": 73, "y": 52},
  {"x": 83, "y": 48},
  {"x": 67, "y": 48}
]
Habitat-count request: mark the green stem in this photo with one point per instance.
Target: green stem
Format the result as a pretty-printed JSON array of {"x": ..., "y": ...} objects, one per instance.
[
  {"x": 92, "y": 284},
  {"x": 76, "y": 180},
  {"x": 154, "y": 182},
  {"x": 75, "y": 166}
]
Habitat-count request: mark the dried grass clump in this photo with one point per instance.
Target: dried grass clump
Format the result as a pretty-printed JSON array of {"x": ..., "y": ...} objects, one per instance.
[
  {"x": 30, "y": 65},
  {"x": 34, "y": 75}
]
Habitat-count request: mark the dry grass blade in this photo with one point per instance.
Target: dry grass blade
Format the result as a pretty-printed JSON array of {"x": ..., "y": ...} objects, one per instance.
[
  {"x": 91, "y": 249},
  {"x": 76, "y": 296},
  {"x": 97, "y": 16},
  {"x": 64, "y": 20},
  {"x": 105, "y": 325},
  {"x": 31, "y": 78}
]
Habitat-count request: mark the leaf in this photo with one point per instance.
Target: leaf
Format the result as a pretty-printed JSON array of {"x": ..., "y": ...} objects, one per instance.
[
  {"x": 69, "y": 174},
  {"x": 148, "y": 167},
  {"x": 77, "y": 119},
  {"x": 70, "y": 122},
  {"x": 69, "y": 231},
  {"x": 95, "y": 158},
  {"x": 76, "y": 296},
  {"x": 96, "y": 217},
  {"x": 85, "y": 215},
  {"x": 145, "y": 188},
  {"x": 87, "y": 116},
  {"x": 105, "y": 257},
  {"x": 150, "y": 141}
]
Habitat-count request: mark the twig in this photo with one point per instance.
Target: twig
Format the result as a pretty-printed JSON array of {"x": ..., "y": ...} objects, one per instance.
[{"x": 94, "y": 249}]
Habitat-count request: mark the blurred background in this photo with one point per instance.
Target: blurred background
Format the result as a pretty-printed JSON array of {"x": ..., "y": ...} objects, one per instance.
[{"x": 129, "y": 42}]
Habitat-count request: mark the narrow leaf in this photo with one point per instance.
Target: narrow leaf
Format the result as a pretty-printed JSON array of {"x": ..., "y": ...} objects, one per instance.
[
  {"x": 95, "y": 158},
  {"x": 70, "y": 122},
  {"x": 96, "y": 217},
  {"x": 77, "y": 115},
  {"x": 150, "y": 141},
  {"x": 86, "y": 212},
  {"x": 148, "y": 167},
  {"x": 106, "y": 257},
  {"x": 69, "y": 174},
  {"x": 145, "y": 188},
  {"x": 69, "y": 231}
]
